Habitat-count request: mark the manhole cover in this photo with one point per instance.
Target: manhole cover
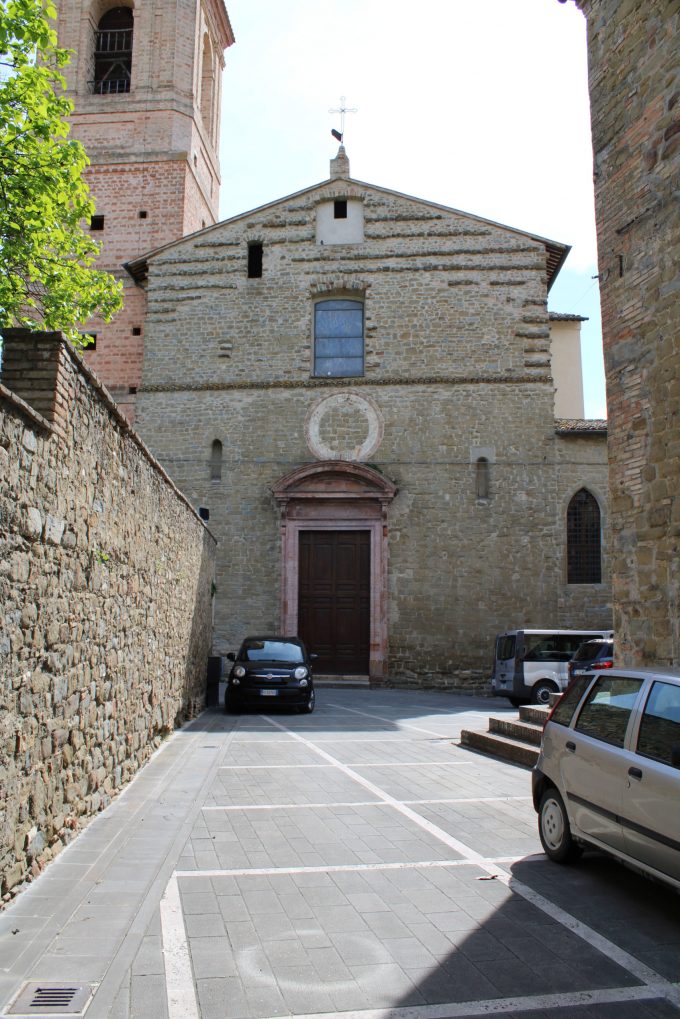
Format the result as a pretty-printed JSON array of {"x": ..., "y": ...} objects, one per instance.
[{"x": 46, "y": 998}]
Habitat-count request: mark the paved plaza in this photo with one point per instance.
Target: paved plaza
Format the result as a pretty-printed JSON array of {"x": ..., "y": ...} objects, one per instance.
[{"x": 354, "y": 861}]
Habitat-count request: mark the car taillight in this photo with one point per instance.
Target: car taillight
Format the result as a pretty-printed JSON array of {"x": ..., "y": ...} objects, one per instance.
[{"x": 606, "y": 663}]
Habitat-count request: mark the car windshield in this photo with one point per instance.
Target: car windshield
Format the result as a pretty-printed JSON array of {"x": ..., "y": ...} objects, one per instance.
[{"x": 270, "y": 651}]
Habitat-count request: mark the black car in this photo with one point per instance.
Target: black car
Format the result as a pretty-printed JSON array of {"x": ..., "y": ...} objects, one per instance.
[
  {"x": 270, "y": 671},
  {"x": 592, "y": 655}
]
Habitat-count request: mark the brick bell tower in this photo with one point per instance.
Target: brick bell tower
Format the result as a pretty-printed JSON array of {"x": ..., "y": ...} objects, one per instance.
[{"x": 145, "y": 79}]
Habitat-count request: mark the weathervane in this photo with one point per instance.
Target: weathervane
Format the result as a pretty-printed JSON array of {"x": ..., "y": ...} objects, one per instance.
[{"x": 342, "y": 111}]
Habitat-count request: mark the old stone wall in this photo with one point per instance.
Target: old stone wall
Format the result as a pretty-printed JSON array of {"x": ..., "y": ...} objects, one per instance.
[
  {"x": 635, "y": 101},
  {"x": 457, "y": 346},
  {"x": 106, "y": 591}
]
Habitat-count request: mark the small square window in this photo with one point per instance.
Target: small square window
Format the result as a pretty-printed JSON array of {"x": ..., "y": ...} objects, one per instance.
[
  {"x": 340, "y": 208},
  {"x": 89, "y": 341},
  {"x": 132, "y": 390},
  {"x": 143, "y": 214},
  {"x": 97, "y": 223},
  {"x": 136, "y": 330}
]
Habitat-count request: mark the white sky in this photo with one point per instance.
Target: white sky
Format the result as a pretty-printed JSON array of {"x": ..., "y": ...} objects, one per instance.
[{"x": 482, "y": 106}]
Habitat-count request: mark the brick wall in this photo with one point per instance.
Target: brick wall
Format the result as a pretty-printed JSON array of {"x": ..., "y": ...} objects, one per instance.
[
  {"x": 150, "y": 151},
  {"x": 635, "y": 92},
  {"x": 105, "y": 594}
]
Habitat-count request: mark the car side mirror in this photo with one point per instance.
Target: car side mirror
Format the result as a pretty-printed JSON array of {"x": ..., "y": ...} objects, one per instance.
[
  {"x": 232, "y": 656},
  {"x": 313, "y": 656},
  {"x": 675, "y": 755}
]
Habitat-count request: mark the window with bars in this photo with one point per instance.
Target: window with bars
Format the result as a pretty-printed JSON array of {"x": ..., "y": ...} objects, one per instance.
[
  {"x": 584, "y": 541},
  {"x": 113, "y": 52}
]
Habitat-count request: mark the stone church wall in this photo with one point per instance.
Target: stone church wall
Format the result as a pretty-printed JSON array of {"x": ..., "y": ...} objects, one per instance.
[
  {"x": 634, "y": 91},
  {"x": 457, "y": 366},
  {"x": 105, "y": 588}
]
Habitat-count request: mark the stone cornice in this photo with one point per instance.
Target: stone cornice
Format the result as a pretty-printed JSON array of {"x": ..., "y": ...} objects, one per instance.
[{"x": 343, "y": 383}]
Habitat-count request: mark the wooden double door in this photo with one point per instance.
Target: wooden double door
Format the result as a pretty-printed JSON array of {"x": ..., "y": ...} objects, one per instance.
[{"x": 334, "y": 599}]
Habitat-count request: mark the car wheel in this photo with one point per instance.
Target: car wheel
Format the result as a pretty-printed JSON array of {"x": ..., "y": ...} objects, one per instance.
[
  {"x": 540, "y": 692},
  {"x": 309, "y": 706},
  {"x": 554, "y": 830}
]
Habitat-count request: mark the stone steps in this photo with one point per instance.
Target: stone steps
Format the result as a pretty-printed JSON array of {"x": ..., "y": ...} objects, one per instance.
[{"x": 511, "y": 739}]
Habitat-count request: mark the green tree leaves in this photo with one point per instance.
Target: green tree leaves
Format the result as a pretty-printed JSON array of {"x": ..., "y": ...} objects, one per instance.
[{"x": 47, "y": 279}]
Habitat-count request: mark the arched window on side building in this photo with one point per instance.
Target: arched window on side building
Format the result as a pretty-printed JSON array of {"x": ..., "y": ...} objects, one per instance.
[{"x": 584, "y": 539}]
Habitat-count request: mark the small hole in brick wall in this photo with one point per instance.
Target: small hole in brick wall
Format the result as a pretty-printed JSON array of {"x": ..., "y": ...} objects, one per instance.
[
  {"x": 132, "y": 390},
  {"x": 143, "y": 213},
  {"x": 97, "y": 223},
  {"x": 136, "y": 330}
]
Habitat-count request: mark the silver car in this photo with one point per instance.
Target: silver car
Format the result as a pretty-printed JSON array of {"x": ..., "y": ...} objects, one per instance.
[{"x": 608, "y": 774}]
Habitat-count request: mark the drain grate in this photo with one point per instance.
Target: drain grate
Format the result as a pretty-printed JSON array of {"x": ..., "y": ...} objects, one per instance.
[{"x": 42, "y": 998}]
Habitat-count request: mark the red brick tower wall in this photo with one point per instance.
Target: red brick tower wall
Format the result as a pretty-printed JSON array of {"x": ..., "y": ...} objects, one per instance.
[
  {"x": 154, "y": 170},
  {"x": 635, "y": 102}
]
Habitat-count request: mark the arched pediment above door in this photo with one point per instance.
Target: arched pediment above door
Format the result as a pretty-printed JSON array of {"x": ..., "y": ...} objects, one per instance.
[{"x": 333, "y": 480}]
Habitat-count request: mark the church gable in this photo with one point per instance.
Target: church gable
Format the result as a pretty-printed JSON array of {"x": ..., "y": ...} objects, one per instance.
[{"x": 432, "y": 291}]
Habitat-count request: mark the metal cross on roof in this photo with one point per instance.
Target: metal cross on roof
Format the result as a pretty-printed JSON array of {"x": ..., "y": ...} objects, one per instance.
[{"x": 342, "y": 111}]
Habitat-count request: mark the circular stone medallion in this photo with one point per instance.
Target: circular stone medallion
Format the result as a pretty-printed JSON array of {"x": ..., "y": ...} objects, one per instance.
[{"x": 344, "y": 426}]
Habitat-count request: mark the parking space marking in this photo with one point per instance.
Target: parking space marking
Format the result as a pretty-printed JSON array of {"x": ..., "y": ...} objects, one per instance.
[
  {"x": 393, "y": 721},
  {"x": 611, "y": 951},
  {"x": 363, "y": 803},
  {"x": 497, "y": 1006},
  {"x": 179, "y": 981},
  {"x": 343, "y": 868},
  {"x": 352, "y": 764}
]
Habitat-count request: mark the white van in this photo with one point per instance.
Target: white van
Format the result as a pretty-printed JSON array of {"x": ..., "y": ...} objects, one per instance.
[{"x": 529, "y": 665}]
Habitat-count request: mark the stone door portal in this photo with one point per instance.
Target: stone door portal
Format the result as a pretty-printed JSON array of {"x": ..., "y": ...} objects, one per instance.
[
  {"x": 334, "y": 599},
  {"x": 334, "y": 539}
]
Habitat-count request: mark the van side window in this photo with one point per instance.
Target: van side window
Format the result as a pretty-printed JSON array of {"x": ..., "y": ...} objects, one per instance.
[
  {"x": 605, "y": 714},
  {"x": 660, "y": 725}
]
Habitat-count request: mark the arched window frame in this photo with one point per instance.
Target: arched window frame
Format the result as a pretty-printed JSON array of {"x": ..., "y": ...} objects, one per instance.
[
  {"x": 112, "y": 51},
  {"x": 207, "y": 102},
  {"x": 584, "y": 539},
  {"x": 216, "y": 461},
  {"x": 339, "y": 336},
  {"x": 483, "y": 478}
]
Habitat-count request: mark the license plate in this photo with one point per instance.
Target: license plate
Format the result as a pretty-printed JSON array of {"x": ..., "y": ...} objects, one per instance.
[{"x": 269, "y": 693}]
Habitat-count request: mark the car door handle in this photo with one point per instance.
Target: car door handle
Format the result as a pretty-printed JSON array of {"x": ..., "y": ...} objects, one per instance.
[
  {"x": 635, "y": 772},
  {"x": 571, "y": 746}
]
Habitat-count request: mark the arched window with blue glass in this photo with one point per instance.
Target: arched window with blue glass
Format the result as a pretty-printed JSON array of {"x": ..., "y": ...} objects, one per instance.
[{"x": 339, "y": 338}]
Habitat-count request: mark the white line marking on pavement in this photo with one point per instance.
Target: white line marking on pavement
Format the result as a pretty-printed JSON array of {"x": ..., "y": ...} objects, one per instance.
[
  {"x": 497, "y": 1006},
  {"x": 179, "y": 979},
  {"x": 295, "y": 806},
  {"x": 361, "y": 803},
  {"x": 352, "y": 764},
  {"x": 340, "y": 868},
  {"x": 339, "y": 740},
  {"x": 618, "y": 955},
  {"x": 392, "y": 721}
]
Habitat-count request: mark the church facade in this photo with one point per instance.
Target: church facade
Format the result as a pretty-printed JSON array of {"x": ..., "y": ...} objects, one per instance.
[{"x": 360, "y": 387}]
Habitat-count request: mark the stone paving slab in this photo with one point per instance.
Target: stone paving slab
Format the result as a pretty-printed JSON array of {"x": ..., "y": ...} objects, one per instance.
[{"x": 349, "y": 887}]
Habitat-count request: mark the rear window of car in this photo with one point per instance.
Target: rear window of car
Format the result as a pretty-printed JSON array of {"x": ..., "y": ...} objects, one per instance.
[
  {"x": 568, "y": 702},
  {"x": 505, "y": 647},
  {"x": 270, "y": 651},
  {"x": 593, "y": 649},
  {"x": 659, "y": 731},
  {"x": 607, "y": 709}
]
